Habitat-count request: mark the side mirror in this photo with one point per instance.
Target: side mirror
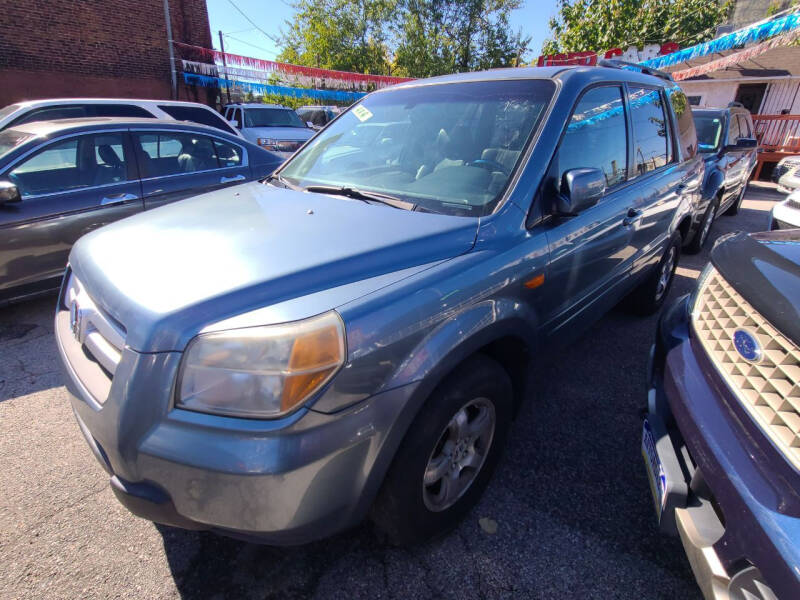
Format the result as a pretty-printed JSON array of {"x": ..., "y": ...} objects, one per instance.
[
  {"x": 9, "y": 193},
  {"x": 310, "y": 124},
  {"x": 742, "y": 143},
  {"x": 235, "y": 123},
  {"x": 580, "y": 189}
]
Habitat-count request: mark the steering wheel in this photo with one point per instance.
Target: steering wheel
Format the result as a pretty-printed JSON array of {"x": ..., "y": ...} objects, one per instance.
[{"x": 490, "y": 165}]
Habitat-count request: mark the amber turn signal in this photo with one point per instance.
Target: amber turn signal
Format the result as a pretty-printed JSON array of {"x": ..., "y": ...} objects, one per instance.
[
  {"x": 315, "y": 356},
  {"x": 535, "y": 282}
]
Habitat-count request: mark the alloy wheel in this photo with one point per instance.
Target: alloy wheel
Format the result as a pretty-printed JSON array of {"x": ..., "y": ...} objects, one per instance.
[
  {"x": 459, "y": 454},
  {"x": 665, "y": 275},
  {"x": 707, "y": 225}
]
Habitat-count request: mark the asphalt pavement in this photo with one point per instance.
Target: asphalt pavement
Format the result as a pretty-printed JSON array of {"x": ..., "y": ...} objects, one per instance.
[{"x": 571, "y": 502}]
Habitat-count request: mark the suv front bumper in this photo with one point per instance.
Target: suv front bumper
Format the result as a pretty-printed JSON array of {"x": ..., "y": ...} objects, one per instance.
[
  {"x": 287, "y": 481},
  {"x": 737, "y": 515}
]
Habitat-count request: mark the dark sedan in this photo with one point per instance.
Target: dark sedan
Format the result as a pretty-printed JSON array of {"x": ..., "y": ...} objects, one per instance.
[
  {"x": 721, "y": 439},
  {"x": 62, "y": 179}
]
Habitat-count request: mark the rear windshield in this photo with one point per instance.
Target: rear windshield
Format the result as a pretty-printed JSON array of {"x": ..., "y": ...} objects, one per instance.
[
  {"x": 196, "y": 114},
  {"x": 271, "y": 117},
  {"x": 709, "y": 132},
  {"x": 11, "y": 138},
  {"x": 448, "y": 148}
]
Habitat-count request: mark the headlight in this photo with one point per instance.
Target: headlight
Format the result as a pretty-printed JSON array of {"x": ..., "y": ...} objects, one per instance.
[
  {"x": 261, "y": 372},
  {"x": 695, "y": 293},
  {"x": 268, "y": 143}
]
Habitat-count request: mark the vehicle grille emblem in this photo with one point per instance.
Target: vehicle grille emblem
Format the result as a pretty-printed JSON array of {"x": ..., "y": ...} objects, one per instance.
[{"x": 747, "y": 345}]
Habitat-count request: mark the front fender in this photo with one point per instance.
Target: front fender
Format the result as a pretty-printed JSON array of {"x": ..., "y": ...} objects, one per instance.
[
  {"x": 463, "y": 334},
  {"x": 713, "y": 184}
]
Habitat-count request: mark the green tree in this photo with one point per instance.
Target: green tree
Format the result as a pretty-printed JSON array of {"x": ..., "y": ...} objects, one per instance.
[
  {"x": 345, "y": 35},
  {"x": 593, "y": 25},
  {"x": 446, "y": 36},
  {"x": 415, "y": 38}
]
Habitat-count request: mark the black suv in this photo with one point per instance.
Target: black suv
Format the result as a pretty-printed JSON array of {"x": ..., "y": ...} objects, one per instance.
[{"x": 728, "y": 144}]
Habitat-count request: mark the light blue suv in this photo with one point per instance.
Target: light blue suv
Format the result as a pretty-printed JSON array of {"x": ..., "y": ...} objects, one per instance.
[{"x": 353, "y": 335}]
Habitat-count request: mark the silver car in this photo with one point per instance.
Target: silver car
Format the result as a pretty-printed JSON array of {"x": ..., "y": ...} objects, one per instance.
[{"x": 786, "y": 214}]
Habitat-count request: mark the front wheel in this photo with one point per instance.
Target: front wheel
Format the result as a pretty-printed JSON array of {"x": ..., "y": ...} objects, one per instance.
[
  {"x": 650, "y": 295},
  {"x": 701, "y": 236},
  {"x": 733, "y": 209},
  {"x": 448, "y": 455}
]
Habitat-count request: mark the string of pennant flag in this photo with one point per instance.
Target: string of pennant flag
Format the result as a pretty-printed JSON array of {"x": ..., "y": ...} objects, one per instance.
[
  {"x": 327, "y": 78},
  {"x": 269, "y": 89},
  {"x": 211, "y": 68},
  {"x": 738, "y": 57},
  {"x": 736, "y": 39}
]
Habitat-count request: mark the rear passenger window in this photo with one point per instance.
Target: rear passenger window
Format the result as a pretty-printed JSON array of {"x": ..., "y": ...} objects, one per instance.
[
  {"x": 686, "y": 131},
  {"x": 650, "y": 141},
  {"x": 596, "y": 136},
  {"x": 120, "y": 110},
  {"x": 52, "y": 113},
  {"x": 176, "y": 153},
  {"x": 196, "y": 114}
]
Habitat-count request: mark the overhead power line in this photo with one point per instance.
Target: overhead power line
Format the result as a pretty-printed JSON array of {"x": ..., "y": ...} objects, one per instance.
[
  {"x": 253, "y": 23},
  {"x": 257, "y": 47}
]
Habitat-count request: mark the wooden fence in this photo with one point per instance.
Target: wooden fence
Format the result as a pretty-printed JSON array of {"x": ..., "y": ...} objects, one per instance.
[{"x": 778, "y": 136}]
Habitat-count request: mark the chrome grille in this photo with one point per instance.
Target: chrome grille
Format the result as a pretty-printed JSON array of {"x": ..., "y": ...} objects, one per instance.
[
  {"x": 769, "y": 388},
  {"x": 101, "y": 337}
]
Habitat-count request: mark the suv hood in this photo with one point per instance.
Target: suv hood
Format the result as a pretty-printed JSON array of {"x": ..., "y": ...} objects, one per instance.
[
  {"x": 280, "y": 133},
  {"x": 765, "y": 269},
  {"x": 167, "y": 273}
]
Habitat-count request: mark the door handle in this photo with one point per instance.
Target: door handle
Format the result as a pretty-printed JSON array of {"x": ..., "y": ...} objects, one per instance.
[
  {"x": 224, "y": 179},
  {"x": 634, "y": 215},
  {"x": 117, "y": 199}
]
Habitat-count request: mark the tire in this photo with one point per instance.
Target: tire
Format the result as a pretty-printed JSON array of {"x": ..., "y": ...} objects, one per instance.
[
  {"x": 648, "y": 297},
  {"x": 409, "y": 510},
  {"x": 733, "y": 209},
  {"x": 701, "y": 237}
]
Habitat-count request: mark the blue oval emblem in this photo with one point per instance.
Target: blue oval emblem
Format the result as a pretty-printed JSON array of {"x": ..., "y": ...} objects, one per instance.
[{"x": 747, "y": 345}]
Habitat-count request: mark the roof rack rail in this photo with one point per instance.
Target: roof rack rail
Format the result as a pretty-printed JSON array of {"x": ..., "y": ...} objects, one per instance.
[{"x": 620, "y": 64}]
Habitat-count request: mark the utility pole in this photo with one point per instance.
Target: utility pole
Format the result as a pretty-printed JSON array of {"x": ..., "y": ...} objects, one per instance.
[
  {"x": 225, "y": 66},
  {"x": 168, "y": 20}
]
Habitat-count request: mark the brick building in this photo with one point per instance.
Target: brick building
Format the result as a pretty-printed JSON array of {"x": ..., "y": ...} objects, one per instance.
[{"x": 95, "y": 48}]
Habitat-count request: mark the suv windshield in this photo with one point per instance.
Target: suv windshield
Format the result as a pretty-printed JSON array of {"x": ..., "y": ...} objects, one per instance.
[
  {"x": 447, "y": 148},
  {"x": 271, "y": 117},
  {"x": 709, "y": 132},
  {"x": 11, "y": 138}
]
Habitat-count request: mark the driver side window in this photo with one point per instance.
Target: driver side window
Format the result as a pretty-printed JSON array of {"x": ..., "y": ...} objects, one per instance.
[
  {"x": 78, "y": 162},
  {"x": 596, "y": 137}
]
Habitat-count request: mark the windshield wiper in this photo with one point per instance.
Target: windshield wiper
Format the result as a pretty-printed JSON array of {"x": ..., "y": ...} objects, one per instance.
[
  {"x": 351, "y": 192},
  {"x": 280, "y": 179}
]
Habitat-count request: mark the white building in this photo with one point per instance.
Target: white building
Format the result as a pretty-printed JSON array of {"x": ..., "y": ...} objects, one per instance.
[{"x": 767, "y": 85}]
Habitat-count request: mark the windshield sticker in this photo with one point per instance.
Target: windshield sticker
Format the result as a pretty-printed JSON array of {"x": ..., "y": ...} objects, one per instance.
[{"x": 362, "y": 113}]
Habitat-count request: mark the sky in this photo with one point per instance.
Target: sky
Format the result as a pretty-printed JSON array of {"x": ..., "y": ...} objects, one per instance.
[{"x": 241, "y": 37}]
